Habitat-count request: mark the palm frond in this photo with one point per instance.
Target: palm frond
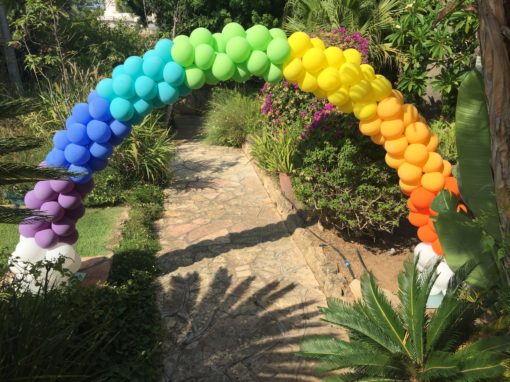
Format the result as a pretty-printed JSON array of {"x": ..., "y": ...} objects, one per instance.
[
  {"x": 11, "y": 215},
  {"x": 441, "y": 366},
  {"x": 11, "y": 145},
  {"x": 483, "y": 367},
  {"x": 12, "y": 173},
  {"x": 13, "y": 107}
]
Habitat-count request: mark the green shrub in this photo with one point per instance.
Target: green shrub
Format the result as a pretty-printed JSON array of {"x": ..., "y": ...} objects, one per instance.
[
  {"x": 344, "y": 178},
  {"x": 109, "y": 189},
  {"x": 445, "y": 131},
  {"x": 274, "y": 154},
  {"x": 230, "y": 117},
  {"x": 146, "y": 194}
]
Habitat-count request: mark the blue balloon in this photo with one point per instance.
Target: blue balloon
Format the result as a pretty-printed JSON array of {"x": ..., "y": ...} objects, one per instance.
[
  {"x": 56, "y": 158},
  {"x": 98, "y": 131},
  {"x": 123, "y": 86},
  {"x": 133, "y": 66},
  {"x": 101, "y": 150},
  {"x": 77, "y": 133},
  {"x": 92, "y": 95},
  {"x": 76, "y": 154},
  {"x": 60, "y": 139},
  {"x": 167, "y": 94},
  {"x": 115, "y": 140},
  {"x": 99, "y": 108},
  {"x": 184, "y": 91},
  {"x": 153, "y": 67},
  {"x": 142, "y": 107},
  {"x": 121, "y": 109},
  {"x": 97, "y": 164},
  {"x": 105, "y": 88},
  {"x": 120, "y": 129},
  {"x": 82, "y": 178},
  {"x": 163, "y": 48},
  {"x": 118, "y": 70},
  {"x": 173, "y": 73},
  {"x": 145, "y": 87},
  {"x": 70, "y": 121},
  {"x": 81, "y": 113}
]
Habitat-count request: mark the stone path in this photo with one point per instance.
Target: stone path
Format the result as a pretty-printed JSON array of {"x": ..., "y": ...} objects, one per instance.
[{"x": 236, "y": 296}]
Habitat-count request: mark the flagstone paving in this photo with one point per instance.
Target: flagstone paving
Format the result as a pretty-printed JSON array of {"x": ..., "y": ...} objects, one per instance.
[{"x": 236, "y": 296}]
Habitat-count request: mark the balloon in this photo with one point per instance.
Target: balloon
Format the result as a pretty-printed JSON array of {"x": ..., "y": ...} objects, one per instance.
[
  {"x": 433, "y": 181},
  {"x": 76, "y": 154},
  {"x": 211, "y": 80},
  {"x": 133, "y": 66},
  {"x": 396, "y": 146},
  {"x": 46, "y": 238},
  {"x": 85, "y": 170},
  {"x": 173, "y": 73},
  {"x": 85, "y": 187},
  {"x": 117, "y": 71},
  {"x": 70, "y": 200},
  {"x": 52, "y": 209},
  {"x": 81, "y": 114},
  {"x": 163, "y": 49},
  {"x": 72, "y": 260},
  {"x": 238, "y": 49},
  {"x": 44, "y": 192},
  {"x": 77, "y": 133},
  {"x": 278, "y": 51},
  {"x": 417, "y": 132},
  {"x": 99, "y": 109},
  {"x": 120, "y": 129},
  {"x": 352, "y": 55},
  {"x": 168, "y": 94},
  {"x": 434, "y": 163},
  {"x": 445, "y": 275},
  {"x": 361, "y": 92},
  {"x": 242, "y": 74},
  {"x": 350, "y": 73},
  {"x": 317, "y": 43},
  {"x": 183, "y": 53},
  {"x": 60, "y": 139},
  {"x": 181, "y": 38},
  {"x": 422, "y": 198},
  {"x": 61, "y": 186},
  {"x": 29, "y": 229},
  {"x": 368, "y": 72},
  {"x": 257, "y": 63},
  {"x": 97, "y": 164},
  {"x": 308, "y": 83},
  {"x": 204, "y": 56},
  {"x": 32, "y": 201},
  {"x": 92, "y": 96},
  {"x": 70, "y": 121},
  {"x": 223, "y": 67},
  {"x": 195, "y": 78},
  {"x": 200, "y": 36},
  {"x": 69, "y": 239},
  {"x": 101, "y": 150},
  {"x": 56, "y": 158},
  {"x": 105, "y": 88},
  {"x": 28, "y": 250},
  {"x": 334, "y": 56},
  {"x": 232, "y": 30},
  {"x": 426, "y": 255},
  {"x": 258, "y": 37},
  {"x": 329, "y": 79},
  {"x": 416, "y": 153},
  {"x": 145, "y": 87},
  {"x": 409, "y": 173},
  {"x": 219, "y": 44},
  {"x": 294, "y": 70},
  {"x": 76, "y": 213},
  {"x": 121, "y": 109},
  {"x": 433, "y": 143},
  {"x": 299, "y": 43},
  {"x": 314, "y": 60},
  {"x": 389, "y": 108},
  {"x": 153, "y": 68},
  {"x": 447, "y": 171},
  {"x": 123, "y": 86},
  {"x": 63, "y": 227},
  {"x": 273, "y": 74},
  {"x": 381, "y": 87},
  {"x": 143, "y": 107},
  {"x": 98, "y": 131},
  {"x": 184, "y": 90},
  {"x": 393, "y": 128}
]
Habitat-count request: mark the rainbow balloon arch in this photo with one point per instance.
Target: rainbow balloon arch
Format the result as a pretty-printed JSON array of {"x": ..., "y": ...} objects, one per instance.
[{"x": 174, "y": 68}]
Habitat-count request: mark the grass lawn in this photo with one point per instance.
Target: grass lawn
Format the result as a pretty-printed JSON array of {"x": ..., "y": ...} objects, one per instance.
[{"x": 95, "y": 231}]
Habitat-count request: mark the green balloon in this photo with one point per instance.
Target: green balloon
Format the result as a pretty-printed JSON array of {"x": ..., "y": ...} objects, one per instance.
[
  {"x": 242, "y": 74},
  {"x": 277, "y": 33},
  {"x": 258, "y": 36},
  {"x": 181, "y": 38},
  {"x": 209, "y": 78},
  {"x": 278, "y": 50},
  {"x": 183, "y": 53},
  {"x": 223, "y": 68},
  {"x": 273, "y": 74},
  {"x": 200, "y": 36},
  {"x": 219, "y": 43},
  {"x": 204, "y": 56},
  {"x": 238, "y": 49},
  {"x": 195, "y": 78},
  {"x": 257, "y": 63},
  {"x": 232, "y": 30}
]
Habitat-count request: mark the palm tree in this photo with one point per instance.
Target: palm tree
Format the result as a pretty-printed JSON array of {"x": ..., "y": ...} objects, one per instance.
[
  {"x": 374, "y": 19},
  {"x": 408, "y": 344}
]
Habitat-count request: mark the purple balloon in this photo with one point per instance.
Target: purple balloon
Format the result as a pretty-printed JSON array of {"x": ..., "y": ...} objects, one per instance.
[
  {"x": 53, "y": 209},
  {"x": 85, "y": 188},
  {"x": 75, "y": 213},
  {"x": 64, "y": 226},
  {"x": 29, "y": 229},
  {"x": 69, "y": 239},
  {"x": 44, "y": 192},
  {"x": 32, "y": 201},
  {"x": 61, "y": 186},
  {"x": 46, "y": 238},
  {"x": 70, "y": 200}
]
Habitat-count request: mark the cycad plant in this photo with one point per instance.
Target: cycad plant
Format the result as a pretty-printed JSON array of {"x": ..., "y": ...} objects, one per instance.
[{"x": 408, "y": 344}]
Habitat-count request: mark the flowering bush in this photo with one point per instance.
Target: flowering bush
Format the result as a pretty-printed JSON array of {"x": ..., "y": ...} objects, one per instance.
[{"x": 344, "y": 39}]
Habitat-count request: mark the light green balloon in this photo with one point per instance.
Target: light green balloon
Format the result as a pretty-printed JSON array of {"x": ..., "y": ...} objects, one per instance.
[
  {"x": 242, "y": 74},
  {"x": 273, "y": 74},
  {"x": 278, "y": 50},
  {"x": 204, "y": 56},
  {"x": 181, "y": 38},
  {"x": 200, "y": 36},
  {"x": 277, "y": 33},
  {"x": 195, "y": 78},
  {"x": 238, "y": 49},
  {"x": 259, "y": 37},
  {"x": 223, "y": 68},
  {"x": 183, "y": 53},
  {"x": 209, "y": 78},
  {"x": 257, "y": 63},
  {"x": 232, "y": 30},
  {"x": 219, "y": 43}
]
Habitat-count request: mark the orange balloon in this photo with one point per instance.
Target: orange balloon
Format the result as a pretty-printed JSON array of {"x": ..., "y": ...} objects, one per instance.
[
  {"x": 417, "y": 132},
  {"x": 462, "y": 207},
  {"x": 394, "y": 161},
  {"x": 389, "y": 108},
  {"x": 371, "y": 126},
  {"x": 409, "y": 173},
  {"x": 450, "y": 184},
  {"x": 378, "y": 139},
  {"x": 447, "y": 168},
  {"x": 426, "y": 235},
  {"x": 436, "y": 246},
  {"x": 417, "y": 219},
  {"x": 411, "y": 206},
  {"x": 396, "y": 147},
  {"x": 434, "y": 163},
  {"x": 417, "y": 154},
  {"x": 410, "y": 114},
  {"x": 422, "y": 198},
  {"x": 433, "y": 143},
  {"x": 433, "y": 181},
  {"x": 398, "y": 95},
  {"x": 393, "y": 128},
  {"x": 407, "y": 188}
]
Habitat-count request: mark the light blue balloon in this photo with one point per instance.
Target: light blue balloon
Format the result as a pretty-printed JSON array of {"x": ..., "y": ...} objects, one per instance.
[
  {"x": 157, "y": 103},
  {"x": 119, "y": 69},
  {"x": 184, "y": 91},
  {"x": 137, "y": 118},
  {"x": 133, "y": 66},
  {"x": 173, "y": 73},
  {"x": 153, "y": 68},
  {"x": 150, "y": 53},
  {"x": 105, "y": 88},
  {"x": 123, "y": 86},
  {"x": 142, "y": 107},
  {"x": 145, "y": 87},
  {"x": 167, "y": 93},
  {"x": 163, "y": 48},
  {"x": 121, "y": 109}
]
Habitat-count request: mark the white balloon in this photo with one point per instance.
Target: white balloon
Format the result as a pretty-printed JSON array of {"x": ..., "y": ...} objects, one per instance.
[
  {"x": 435, "y": 291},
  {"x": 27, "y": 250},
  {"x": 445, "y": 274},
  {"x": 72, "y": 260},
  {"x": 427, "y": 257},
  {"x": 418, "y": 249}
]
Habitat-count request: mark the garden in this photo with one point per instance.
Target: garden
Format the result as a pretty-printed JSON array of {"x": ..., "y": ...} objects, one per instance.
[{"x": 381, "y": 125}]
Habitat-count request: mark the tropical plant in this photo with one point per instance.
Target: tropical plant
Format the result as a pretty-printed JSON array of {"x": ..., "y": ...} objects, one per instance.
[{"x": 408, "y": 344}]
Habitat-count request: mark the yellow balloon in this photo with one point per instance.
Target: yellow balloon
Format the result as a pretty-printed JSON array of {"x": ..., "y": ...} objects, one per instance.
[
  {"x": 293, "y": 70},
  {"x": 320, "y": 93},
  {"x": 368, "y": 72},
  {"x": 353, "y": 56},
  {"x": 335, "y": 57},
  {"x": 350, "y": 73},
  {"x": 308, "y": 83},
  {"x": 299, "y": 43},
  {"x": 339, "y": 97},
  {"x": 381, "y": 87},
  {"x": 314, "y": 60},
  {"x": 318, "y": 43},
  {"x": 346, "y": 107},
  {"x": 371, "y": 126},
  {"x": 365, "y": 110},
  {"x": 329, "y": 79},
  {"x": 360, "y": 91}
]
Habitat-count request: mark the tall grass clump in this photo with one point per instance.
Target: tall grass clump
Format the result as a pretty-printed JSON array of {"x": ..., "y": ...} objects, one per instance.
[{"x": 230, "y": 117}]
